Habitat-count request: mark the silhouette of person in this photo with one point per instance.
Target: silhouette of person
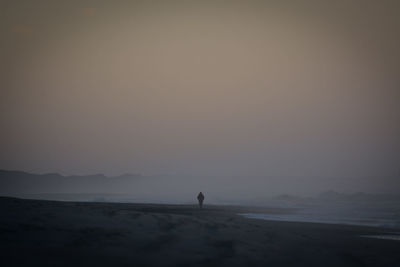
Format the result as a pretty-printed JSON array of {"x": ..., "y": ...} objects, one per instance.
[{"x": 200, "y": 198}]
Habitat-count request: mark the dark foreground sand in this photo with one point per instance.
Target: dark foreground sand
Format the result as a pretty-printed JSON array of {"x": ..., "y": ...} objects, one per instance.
[{"x": 49, "y": 233}]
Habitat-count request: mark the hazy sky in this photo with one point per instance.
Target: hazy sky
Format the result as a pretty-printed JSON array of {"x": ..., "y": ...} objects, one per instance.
[{"x": 305, "y": 88}]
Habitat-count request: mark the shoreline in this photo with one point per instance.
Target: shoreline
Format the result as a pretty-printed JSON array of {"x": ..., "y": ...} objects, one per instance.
[{"x": 55, "y": 233}]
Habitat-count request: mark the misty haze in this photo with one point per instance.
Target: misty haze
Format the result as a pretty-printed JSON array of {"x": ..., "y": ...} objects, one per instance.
[{"x": 116, "y": 115}]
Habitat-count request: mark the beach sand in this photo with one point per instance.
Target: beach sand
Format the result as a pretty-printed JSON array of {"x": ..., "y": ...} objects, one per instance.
[{"x": 51, "y": 233}]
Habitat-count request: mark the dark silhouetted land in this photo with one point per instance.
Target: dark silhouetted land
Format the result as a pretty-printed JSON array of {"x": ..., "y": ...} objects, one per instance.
[{"x": 50, "y": 233}]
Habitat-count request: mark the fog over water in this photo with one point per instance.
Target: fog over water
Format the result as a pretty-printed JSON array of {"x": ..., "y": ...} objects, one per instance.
[{"x": 242, "y": 98}]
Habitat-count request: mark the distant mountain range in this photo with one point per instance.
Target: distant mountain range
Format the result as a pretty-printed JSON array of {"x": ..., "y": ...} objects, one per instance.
[
  {"x": 127, "y": 186},
  {"x": 359, "y": 196},
  {"x": 331, "y": 195},
  {"x": 18, "y": 182}
]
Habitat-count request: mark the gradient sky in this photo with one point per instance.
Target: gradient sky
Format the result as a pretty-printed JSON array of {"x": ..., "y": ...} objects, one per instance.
[{"x": 305, "y": 88}]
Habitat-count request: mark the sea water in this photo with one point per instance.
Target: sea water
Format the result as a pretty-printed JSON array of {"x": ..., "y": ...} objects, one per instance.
[{"x": 385, "y": 215}]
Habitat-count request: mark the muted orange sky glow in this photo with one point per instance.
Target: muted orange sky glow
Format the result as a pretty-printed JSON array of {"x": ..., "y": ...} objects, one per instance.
[{"x": 306, "y": 88}]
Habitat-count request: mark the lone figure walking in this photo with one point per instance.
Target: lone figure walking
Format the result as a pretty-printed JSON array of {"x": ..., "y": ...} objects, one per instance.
[{"x": 200, "y": 198}]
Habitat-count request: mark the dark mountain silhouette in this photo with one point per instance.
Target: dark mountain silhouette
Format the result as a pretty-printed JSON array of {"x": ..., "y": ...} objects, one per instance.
[{"x": 18, "y": 182}]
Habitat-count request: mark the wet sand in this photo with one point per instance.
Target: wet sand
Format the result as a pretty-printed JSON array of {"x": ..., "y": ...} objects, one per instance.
[{"x": 50, "y": 233}]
